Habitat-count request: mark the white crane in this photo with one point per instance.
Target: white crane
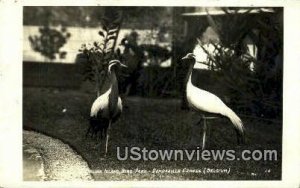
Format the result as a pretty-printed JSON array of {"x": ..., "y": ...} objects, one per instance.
[
  {"x": 205, "y": 102},
  {"x": 107, "y": 108}
]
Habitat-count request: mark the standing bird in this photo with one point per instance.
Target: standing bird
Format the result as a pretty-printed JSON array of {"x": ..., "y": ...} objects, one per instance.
[
  {"x": 107, "y": 108},
  {"x": 207, "y": 103}
]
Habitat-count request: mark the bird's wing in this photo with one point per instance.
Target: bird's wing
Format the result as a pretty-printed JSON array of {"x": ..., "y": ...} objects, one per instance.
[
  {"x": 205, "y": 101},
  {"x": 119, "y": 108},
  {"x": 100, "y": 104}
]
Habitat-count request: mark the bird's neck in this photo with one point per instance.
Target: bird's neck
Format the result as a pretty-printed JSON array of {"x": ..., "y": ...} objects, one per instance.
[
  {"x": 113, "y": 82},
  {"x": 190, "y": 72},
  {"x": 114, "y": 93}
]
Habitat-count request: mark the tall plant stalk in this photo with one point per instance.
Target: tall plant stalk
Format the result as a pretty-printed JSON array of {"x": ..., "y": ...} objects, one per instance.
[{"x": 100, "y": 53}]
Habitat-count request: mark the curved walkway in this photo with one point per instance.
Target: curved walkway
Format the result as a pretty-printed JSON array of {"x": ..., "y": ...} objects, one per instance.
[{"x": 46, "y": 159}]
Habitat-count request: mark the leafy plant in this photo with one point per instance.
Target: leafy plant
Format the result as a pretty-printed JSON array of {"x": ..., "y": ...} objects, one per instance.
[
  {"x": 49, "y": 42},
  {"x": 257, "y": 90},
  {"x": 233, "y": 72}
]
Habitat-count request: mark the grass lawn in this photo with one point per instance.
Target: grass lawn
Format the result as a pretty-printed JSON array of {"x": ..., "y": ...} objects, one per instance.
[{"x": 154, "y": 124}]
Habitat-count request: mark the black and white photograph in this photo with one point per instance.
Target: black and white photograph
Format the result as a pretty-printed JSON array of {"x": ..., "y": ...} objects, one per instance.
[{"x": 153, "y": 93}]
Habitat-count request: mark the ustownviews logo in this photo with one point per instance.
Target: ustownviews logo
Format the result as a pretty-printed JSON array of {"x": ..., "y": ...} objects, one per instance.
[{"x": 137, "y": 153}]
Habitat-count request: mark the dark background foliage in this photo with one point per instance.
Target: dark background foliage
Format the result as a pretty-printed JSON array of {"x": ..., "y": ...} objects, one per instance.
[{"x": 257, "y": 93}]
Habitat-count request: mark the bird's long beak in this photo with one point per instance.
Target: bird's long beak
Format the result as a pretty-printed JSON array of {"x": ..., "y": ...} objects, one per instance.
[
  {"x": 188, "y": 56},
  {"x": 123, "y": 65},
  {"x": 185, "y": 57}
]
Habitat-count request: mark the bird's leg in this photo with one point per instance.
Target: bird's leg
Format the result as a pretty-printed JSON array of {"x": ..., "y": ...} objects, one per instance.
[
  {"x": 208, "y": 130},
  {"x": 99, "y": 135},
  {"x": 96, "y": 134},
  {"x": 107, "y": 137},
  {"x": 204, "y": 132},
  {"x": 199, "y": 122},
  {"x": 87, "y": 132},
  {"x": 90, "y": 131}
]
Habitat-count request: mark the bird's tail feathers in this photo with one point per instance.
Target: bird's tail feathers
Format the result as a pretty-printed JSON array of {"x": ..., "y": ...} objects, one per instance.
[
  {"x": 237, "y": 122},
  {"x": 98, "y": 128}
]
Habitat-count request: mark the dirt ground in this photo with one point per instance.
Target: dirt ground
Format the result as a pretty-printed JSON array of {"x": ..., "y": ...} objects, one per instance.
[{"x": 154, "y": 124}]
